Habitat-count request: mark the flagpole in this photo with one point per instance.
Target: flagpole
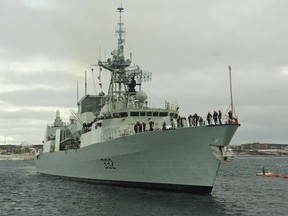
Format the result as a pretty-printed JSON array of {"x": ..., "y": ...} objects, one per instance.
[{"x": 231, "y": 98}]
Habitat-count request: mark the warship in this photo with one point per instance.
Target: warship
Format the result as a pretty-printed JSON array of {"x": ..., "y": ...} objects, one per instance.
[{"x": 117, "y": 138}]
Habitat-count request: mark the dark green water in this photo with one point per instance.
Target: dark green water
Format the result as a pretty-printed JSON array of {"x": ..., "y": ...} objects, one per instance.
[{"x": 237, "y": 191}]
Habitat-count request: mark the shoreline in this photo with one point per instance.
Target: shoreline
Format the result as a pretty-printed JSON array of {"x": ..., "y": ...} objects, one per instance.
[
  {"x": 25, "y": 156},
  {"x": 261, "y": 155}
]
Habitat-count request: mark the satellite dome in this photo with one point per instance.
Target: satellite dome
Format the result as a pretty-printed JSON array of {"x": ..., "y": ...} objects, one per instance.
[
  {"x": 141, "y": 96},
  {"x": 71, "y": 117}
]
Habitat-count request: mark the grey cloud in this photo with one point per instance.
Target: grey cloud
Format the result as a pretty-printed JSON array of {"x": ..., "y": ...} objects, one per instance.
[
  {"x": 195, "y": 40},
  {"x": 39, "y": 97}
]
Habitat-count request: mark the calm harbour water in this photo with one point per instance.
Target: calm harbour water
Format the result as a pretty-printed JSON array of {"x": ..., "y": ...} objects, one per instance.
[{"x": 237, "y": 191}]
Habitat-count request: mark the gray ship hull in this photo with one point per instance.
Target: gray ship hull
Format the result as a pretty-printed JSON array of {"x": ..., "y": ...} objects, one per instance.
[{"x": 185, "y": 159}]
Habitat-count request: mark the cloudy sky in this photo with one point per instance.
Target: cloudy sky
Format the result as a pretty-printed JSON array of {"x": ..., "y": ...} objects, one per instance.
[{"x": 47, "y": 45}]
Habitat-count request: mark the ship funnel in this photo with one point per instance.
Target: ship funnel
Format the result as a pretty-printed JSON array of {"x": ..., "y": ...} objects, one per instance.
[{"x": 58, "y": 122}]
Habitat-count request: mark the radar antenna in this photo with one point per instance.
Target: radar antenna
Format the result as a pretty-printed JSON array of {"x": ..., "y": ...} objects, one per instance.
[{"x": 124, "y": 76}]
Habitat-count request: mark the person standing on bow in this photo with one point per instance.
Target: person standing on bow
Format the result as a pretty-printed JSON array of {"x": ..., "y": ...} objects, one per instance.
[
  {"x": 215, "y": 117},
  {"x": 208, "y": 118},
  {"x": 220, "y": 117}
]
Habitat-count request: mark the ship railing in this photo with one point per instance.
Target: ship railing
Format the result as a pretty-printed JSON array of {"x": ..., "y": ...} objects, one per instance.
[
  {"x": 117, "y": 134},
  {"x": 64, "y": 124},
  {"x": 224, "y": 120},
  {"x": 130, "y": 131}
]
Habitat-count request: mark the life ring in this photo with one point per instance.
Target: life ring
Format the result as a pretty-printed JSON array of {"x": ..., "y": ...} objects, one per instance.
[{"x": 233, "y": 121}]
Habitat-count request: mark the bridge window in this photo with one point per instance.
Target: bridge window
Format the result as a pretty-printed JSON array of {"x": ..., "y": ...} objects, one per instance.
[
  {"x": 123, "y": 114},
  {"x": 155, "y": 113},
  {"x": 163, "y": 114},
  {"x": 134, "y": 113}
]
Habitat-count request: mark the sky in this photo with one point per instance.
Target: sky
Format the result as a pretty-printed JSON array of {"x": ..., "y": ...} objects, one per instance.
[{"x": 47, "y": 45}]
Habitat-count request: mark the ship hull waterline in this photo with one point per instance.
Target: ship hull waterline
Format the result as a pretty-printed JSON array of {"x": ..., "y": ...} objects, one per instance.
[{"x": 181, "y": 160}]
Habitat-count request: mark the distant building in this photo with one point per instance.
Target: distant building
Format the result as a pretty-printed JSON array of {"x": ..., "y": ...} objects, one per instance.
[
  {"x": 257, "y": 148},
  {"x": 277, "y": 146},
  {"x": 253, "y": 146}
]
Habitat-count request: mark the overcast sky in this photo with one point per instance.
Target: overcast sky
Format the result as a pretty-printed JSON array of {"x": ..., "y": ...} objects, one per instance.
[{"x": 47, "y": 45}]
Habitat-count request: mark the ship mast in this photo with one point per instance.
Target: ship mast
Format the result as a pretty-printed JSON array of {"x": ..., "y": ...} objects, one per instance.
[
  {"x": 230, "y": 81},
  {"x": 124, "y": 77},
  {"x": 231, "y": 107},
  {"x": 120, "y": 31}
]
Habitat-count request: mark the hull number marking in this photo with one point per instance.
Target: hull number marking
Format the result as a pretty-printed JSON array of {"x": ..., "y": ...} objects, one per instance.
[{"x": 108, "y": 163}]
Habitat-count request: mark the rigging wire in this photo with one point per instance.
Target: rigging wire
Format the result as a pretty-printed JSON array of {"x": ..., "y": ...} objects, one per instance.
[
  {"x": 92, "y": 70},
  {"x": 76, "y": 116}
]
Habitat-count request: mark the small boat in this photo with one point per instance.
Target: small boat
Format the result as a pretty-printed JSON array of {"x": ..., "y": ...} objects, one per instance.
[
  {"x": 269, "y": 174},
  {"x": 272, "y": 175}
]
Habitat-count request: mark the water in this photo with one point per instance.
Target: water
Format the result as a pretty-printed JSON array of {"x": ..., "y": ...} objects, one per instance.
[{"x": 237, "y": 191}]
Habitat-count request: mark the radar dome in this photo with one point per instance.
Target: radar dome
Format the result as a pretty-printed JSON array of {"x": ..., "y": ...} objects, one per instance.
[
  {"x": 141, "y": 96},
  {"x": 71, "y": 117}
]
